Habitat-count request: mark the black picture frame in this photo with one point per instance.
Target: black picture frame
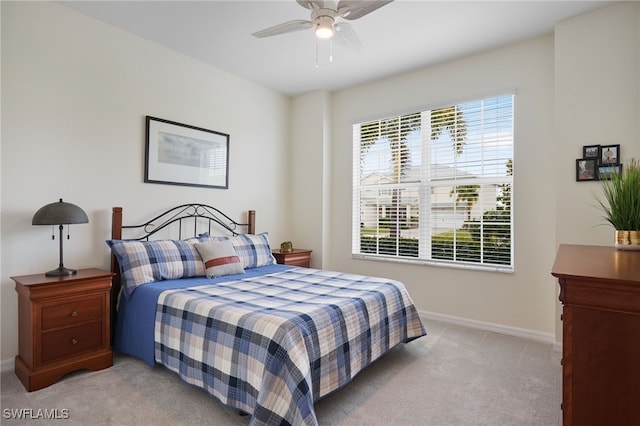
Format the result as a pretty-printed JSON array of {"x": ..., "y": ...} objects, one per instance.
[
  {"x": 586, "y": 169},
  {"x": 610, "y": 155},
  {"x": 605, "y": 172},
  {"x": 181, "y": 154},
  {"x": 591, "y": 151}
]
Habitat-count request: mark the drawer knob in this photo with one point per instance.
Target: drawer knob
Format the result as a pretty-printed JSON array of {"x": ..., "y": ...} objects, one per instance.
[
  {"x": 74, "y": 313},
  {"x": 74, "y": 341}
]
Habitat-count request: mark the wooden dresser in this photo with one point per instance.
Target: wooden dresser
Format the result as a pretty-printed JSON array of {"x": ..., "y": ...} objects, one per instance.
[
  {"x": 600, "y": 293},
  {"x": 63, "y": 325}
]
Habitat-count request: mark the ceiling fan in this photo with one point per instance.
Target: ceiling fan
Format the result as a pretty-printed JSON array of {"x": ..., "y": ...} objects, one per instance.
[{"x": 324, "y": 20}]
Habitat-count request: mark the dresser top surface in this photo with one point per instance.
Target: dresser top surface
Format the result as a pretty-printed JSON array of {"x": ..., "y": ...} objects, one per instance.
[{"x": 597, "y": 262}]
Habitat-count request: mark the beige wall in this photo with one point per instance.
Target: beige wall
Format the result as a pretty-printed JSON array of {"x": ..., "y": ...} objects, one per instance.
[
  {"x": 597, "y": 86},
  {"x": 310, "y": 139},
  {"x": 75, "y": 94},
  {"x": 596, "y": 102},
  {"x": 577, "y": 87},
  {"x": 522, "y": 299}
]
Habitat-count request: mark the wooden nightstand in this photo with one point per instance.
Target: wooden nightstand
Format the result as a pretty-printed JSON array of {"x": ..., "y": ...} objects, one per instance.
[
  {"x": 63, "y": 326},
  {"x": 298, "y": 257}
]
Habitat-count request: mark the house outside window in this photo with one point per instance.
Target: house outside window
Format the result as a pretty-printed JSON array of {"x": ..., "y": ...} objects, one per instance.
[{"x": 436, "y": 186}]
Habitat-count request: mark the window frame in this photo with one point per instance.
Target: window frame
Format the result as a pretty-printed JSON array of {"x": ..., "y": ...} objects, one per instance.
[{"x": 425, "y": 188}]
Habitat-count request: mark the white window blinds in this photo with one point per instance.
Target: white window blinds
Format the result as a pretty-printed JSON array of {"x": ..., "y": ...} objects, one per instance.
[{"x": 436, "y": 186}]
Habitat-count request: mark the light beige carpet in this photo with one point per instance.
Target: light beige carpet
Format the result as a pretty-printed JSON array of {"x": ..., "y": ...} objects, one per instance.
[{"x": 453, "y": 376}]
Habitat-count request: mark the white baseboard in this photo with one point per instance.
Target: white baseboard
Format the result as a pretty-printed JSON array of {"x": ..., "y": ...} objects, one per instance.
[
  {"x": 496, "y": 328},
  {"x": 7, "y": 365}
]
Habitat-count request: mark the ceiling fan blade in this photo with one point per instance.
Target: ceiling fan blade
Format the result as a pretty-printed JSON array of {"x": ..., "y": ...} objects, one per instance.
[
  {"x": 354, "y": 9},
  {"x": 347, "y": 37},
  {"x": 311, "y": 4},
  {"x": 286, "y": 27}
]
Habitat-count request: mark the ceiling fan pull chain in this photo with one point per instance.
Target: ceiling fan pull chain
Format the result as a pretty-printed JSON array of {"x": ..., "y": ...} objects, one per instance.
[
  {"x": 317, "y": 64},
  {"x": 331, "y": 50}
]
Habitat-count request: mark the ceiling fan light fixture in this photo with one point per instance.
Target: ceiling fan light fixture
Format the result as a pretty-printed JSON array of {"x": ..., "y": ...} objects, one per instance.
[{"x": 324, "y": 27}]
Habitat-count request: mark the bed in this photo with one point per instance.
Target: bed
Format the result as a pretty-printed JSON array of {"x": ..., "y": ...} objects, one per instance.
[{"x": 210, "y": 303}]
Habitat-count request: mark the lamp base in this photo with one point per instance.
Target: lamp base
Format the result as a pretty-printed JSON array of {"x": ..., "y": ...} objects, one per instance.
[{"x": 60, "y": 272}]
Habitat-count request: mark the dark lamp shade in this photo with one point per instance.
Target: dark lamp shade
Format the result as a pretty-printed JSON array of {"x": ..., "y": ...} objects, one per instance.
[{"x": 60, "y": 213}]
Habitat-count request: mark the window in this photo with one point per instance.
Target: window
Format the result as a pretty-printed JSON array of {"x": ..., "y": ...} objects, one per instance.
[{"x": 435, "y": 186}]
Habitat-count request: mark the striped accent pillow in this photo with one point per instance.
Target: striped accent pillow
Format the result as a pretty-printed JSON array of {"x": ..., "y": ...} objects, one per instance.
[
  {"x": 253, "y": 250},
  {"x": 220, "y": 258},
  {"x": 142, "y": 262}
]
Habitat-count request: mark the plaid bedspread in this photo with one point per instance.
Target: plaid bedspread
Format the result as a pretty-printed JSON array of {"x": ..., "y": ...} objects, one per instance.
[{"x": 273, "y": 345}]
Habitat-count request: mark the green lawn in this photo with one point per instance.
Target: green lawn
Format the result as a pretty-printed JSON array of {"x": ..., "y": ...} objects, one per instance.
[
  {"x": 372, "y": 232},
  {"x": 462, "y": 234}
]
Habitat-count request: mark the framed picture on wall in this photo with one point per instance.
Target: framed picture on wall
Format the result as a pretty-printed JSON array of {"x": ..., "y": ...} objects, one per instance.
[
  {"x": 586, "y": 169},
  {"x": 610, "y": 155},
  {"x": 605, "y": 172},
  {"x": 591, "y": 151},
  {"x": 180, "y": 154}
]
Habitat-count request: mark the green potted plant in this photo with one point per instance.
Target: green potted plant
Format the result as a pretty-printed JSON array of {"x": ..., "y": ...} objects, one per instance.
[{"x": 620, "y": 202}]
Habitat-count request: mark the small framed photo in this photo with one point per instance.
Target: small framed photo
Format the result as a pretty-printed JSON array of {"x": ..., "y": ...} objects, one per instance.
[
  {"x": 610, "y": 155},
  {"x": 605, "y": 172},
  {"x": 586, "y": 169},
  {"x": 591, "y": 151}
]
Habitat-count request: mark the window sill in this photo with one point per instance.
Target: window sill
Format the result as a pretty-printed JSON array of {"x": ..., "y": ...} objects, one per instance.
[{"x": 437, "y": 263}]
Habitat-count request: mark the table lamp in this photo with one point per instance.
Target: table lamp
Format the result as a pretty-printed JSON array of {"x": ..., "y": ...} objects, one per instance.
[{"x": 60, "y": 213}]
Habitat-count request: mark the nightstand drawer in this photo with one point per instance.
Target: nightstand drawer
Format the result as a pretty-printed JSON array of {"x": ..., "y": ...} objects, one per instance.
[
  {"x": 297, "y": 257},
  {"x": 298, "y": 261},
  {"x": 76, "y": 312},
  {"x": 69, "y": 341}
]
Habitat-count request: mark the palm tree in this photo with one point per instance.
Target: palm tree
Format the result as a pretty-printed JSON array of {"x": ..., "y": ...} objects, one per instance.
[
  {"x": 401, "y": 164},
  {"x": 396, "y": 130},
  {"x": 505, "y": 196},
  {"x": 468, "y": 194},
  {"x": 451, "y": 120}
]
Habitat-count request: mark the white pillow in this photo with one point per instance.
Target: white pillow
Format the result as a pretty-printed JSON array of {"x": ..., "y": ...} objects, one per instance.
[{"x": 220, "y": 258}]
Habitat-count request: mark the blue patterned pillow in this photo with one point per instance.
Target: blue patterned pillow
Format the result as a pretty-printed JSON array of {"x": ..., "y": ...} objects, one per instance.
[
  {"x": 254, "y": 250},
  {"x": 142, "y": 262}
]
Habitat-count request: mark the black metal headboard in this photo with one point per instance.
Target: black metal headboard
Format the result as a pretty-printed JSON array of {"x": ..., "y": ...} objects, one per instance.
[
  {"x": 186, "y": 216},
  {"x": 189, "y": 218}
]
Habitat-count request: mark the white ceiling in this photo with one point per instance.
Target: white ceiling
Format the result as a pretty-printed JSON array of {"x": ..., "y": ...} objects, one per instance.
[{"x": 401, "y": 36}]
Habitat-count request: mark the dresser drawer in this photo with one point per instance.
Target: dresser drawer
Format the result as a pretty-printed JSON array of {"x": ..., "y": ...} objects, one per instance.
[
  {"x": 72, "y": 340},
  {"x": 70, "y": 313}
]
